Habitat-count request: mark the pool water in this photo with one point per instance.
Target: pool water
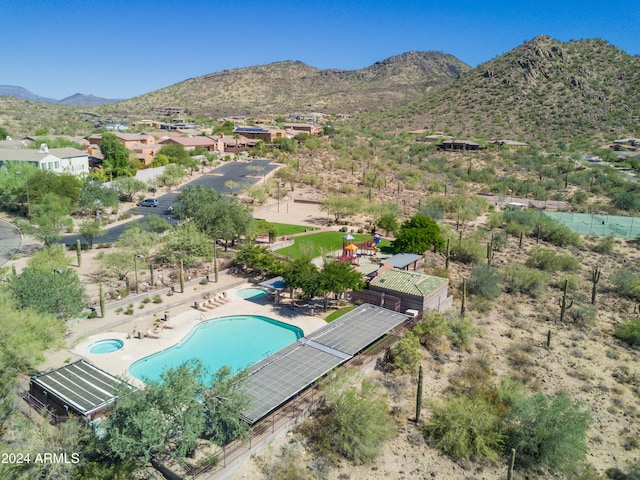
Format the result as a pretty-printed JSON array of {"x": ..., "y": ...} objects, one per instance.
[
  {"x": 237, "y": 341},
  {"x": 106, "y": 346},
  {"x": 251, "y": 293}
]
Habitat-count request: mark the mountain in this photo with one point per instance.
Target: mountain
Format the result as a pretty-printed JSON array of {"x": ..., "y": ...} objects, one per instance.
[
  {"x": 290, "y": 86},
  {"x": 82, "y": 100},
  {"x": 19, "y": 92},
  {"x": 543, "y": 91},
  {"x": 79, "y": 99}
]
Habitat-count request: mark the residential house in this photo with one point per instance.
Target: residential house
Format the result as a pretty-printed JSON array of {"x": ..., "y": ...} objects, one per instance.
[
  {"x": 234, "y": 144},
  {"x": 59, "y": 160},
  {"x": 212, "y": 144},
  {"x": 169, "y": 111},
  {"x": 144, "y": 152},
  {"x": 459, "y": 145},
  {"x": 127, "y": 139},
  {"x": 267, "y": 135},
  {"x": 72, "y": 160},
  {"x": 308, "y": 128}
]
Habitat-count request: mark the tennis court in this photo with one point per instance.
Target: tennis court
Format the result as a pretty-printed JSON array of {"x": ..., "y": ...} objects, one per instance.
[{"x": 596, "y": 224}]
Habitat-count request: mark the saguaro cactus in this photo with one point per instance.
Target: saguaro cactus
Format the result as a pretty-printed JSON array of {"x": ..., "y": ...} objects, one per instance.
[
  {"x": 595, "y": 278},
  {"x": 181, "y": 277},
  {"x": 463, "y": 307},
  {"x": 513, "y": 460},
  {"x": 447, "y": 254},
  {"x": 102, "y": 305},
  {"x": 564, "y": 306},
  {"x": 79, "y": 252},
  {"x": 419, "y": 395}
]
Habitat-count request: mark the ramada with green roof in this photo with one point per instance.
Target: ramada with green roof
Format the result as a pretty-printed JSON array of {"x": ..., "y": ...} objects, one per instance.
[{"x": 416, "y": 290}]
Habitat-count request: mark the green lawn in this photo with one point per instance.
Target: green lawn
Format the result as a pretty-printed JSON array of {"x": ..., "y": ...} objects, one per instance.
[
  {"x": 321, "y": 243},
  {"x": 288, "y": 229}
]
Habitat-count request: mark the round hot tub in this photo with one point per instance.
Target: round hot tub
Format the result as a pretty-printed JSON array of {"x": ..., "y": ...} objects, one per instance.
[{"x": 106, "y": 346}]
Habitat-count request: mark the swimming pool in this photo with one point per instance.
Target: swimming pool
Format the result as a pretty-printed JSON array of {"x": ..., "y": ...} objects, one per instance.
[
  {"x": 106, "y": 346},
  {"x": 251, "y": 293},
  {"x": 237, "y": 341}
]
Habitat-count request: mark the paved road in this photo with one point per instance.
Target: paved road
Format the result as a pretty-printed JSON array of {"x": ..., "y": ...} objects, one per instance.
[
  {"x": 10, "y": 240},
  {"x": 216, "y": 179}
]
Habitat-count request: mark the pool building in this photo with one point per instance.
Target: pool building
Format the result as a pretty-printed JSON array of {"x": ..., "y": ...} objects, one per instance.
[{"x": 78, "y": 388}]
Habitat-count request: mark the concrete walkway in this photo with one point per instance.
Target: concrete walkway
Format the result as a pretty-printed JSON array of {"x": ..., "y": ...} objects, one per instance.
[
  {"x": 10, "y": 240},
  {"x": 183, "y": 317}
]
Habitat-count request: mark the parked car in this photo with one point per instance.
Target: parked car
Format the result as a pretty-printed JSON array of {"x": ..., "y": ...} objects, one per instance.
[{"x": 148, "y": 202}]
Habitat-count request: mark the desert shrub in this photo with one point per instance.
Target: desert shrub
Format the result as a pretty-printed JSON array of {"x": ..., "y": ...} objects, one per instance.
[
  {"x": 431, "y": 328},
  {"x": 524, "y": 280},
  {"x": 286, "y": 465},
  {"x": 604, "y": 245},
  {"x": 519, "y": 221},
  {"x": 352, "y": 421},
  {"x": 627, "y": 284},
  {"x": 617, "y": 474},
  {"x": 468, "y": 250},
  {"x": 485, "y": 281},
  {"x": 466, "y": 426},
  {"x": 510, "y": 391},
  {"x": 462, "y": 331},
  {"x": 573, "y": 282},
  {"x": 548, "y": 432},
  {"x": 629, "y": 332},
  {"x": 474, "y": 377},
  {"x": 500, "y": 240},
  {"x": 405, "y": 354},
  {"x": 582, "y": 314},
  {"x": 551, "y": 261},
  {"x": 555, "y": 232}
]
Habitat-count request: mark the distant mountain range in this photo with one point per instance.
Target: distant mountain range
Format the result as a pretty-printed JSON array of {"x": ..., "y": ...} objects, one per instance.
[
  {"x": 292, "y": 86},
  {"x": 78, "y": 99},
  {"x": 545, "y": 92}
]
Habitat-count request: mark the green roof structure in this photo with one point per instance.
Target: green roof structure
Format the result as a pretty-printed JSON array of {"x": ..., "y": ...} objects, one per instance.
[{"x": 412, "y": 283}]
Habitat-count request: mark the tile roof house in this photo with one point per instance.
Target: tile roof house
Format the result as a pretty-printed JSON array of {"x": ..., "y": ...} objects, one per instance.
[
  {"x": 213, "y": 144},
  {"x": 416, "y": 290},
  {"x": 240, "y": 144},
  {"x": 127, "y": 139},
  {"x": 145, "y": 153}
]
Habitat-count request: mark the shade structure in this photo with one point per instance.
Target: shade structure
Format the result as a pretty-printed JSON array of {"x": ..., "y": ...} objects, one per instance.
[
  {"x": 281, "y": 376},
  {"x": 79, "y": 386},
  {"x": 351, "y": 247}
]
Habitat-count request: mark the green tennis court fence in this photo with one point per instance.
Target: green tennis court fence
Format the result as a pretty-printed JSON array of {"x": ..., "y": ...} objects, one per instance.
[{"x": 599, "y": 224}]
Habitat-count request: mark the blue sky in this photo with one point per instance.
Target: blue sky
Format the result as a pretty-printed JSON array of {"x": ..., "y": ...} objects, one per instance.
[{"x": 120, "y": 49}]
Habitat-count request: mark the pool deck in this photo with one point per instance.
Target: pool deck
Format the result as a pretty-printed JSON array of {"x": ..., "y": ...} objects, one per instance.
[{"x": 179, "y": 326}]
